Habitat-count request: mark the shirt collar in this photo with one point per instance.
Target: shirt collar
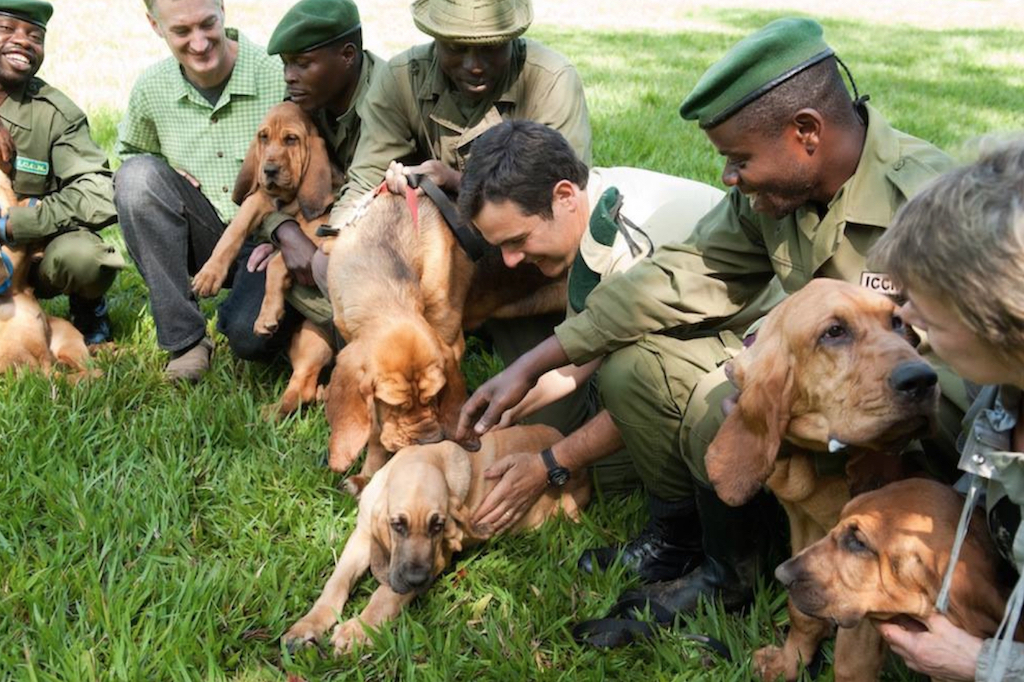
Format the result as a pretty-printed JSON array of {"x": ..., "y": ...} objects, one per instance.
[
  {"x": 13, "y": 109},
  {"x": 241, "y": 82},
  {"x": 436, "y": 84}
]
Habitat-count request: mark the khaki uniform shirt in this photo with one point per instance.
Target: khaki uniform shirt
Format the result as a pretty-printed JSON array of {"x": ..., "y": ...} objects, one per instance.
[
  {"x": 709, "y": 280},
  {"x": 411, "y": 113},
  {"x": 57, "y": 162}
]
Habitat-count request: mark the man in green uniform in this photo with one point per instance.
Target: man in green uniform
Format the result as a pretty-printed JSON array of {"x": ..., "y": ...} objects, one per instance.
[
  {"x": 327, "y": 73},
  {"x": 428, "y": 104},
  {"x": 816, "y": 178},
  {"x": 61, "y": 170}
]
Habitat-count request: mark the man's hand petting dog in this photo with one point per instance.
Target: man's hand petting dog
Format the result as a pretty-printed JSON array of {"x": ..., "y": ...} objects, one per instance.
[
  {"x": 296, "y": 249},
  {"x": 523, "y": 478},
  {"x": 397, "y": 176},
  {"x": 936, "y": 648},
  {"x": 494, "y": 397}
]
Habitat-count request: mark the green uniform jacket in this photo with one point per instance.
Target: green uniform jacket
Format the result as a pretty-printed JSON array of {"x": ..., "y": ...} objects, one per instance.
[
  {"x": 411, "y": 113},
  {"x": 708, "y": 280},
  {"x": 57, "y": 162}
]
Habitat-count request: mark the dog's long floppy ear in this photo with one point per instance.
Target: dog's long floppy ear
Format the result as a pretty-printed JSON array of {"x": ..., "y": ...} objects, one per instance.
[
  {"x": 380, "y": 539},
  {"x": 247, "y": 181},
  {"x": 349, "y": 406},
  {"x": 742, "y": 455},
  {"x": 315, "y": 193},
  {"x": 451, "y": 399},
  {"x": 455, "y": 526}
]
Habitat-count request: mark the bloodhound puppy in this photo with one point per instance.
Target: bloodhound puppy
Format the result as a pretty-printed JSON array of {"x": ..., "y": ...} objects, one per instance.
[
  {"x": 29, "y": 338},
  {"x": 833, "y": 375},
  {"x": 413, "y": 516},
  {"x": 287, "y": 170},
  {"x": 886, "y": 558}
]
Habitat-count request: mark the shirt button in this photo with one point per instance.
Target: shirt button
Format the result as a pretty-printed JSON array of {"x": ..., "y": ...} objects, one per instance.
[
  {"x": 213, "y": 119},
  {"x": 220, "y": 155},
  {"x": 978, "y": 459},
  {"x": 224, "y": 189}
]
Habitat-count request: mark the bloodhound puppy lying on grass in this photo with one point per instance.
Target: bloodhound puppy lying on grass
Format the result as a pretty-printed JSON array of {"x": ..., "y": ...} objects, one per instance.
[
  {"x": 286, "y": 170},
  {"x": 831, "y": 384},
  {"x": 886, "y": 559},
  {"x": 413, "y": 515}
]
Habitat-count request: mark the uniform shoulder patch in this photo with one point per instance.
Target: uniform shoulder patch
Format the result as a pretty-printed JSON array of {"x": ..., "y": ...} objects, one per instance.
[{"x": 33, "y": 166}]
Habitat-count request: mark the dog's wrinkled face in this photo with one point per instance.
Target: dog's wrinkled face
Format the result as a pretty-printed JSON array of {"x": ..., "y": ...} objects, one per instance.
[
  {"x": 409, "y": 375},
  {"x": 283, "y": 139},
  {"x": 832, "y": 366},
  {"x": 419, "y": 523}
]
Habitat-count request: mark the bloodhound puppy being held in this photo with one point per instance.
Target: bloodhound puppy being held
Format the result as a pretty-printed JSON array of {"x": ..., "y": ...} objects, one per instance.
[
  {"x": 886, "y": 559},
  {"x": 287, "y": 169},
  {"x": 29, "y": 338},
  {"x": 413, "y": 516},
  {"x": 832, "y": 375}
]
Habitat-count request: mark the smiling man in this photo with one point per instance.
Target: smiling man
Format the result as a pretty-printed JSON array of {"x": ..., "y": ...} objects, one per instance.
[
  {"x": 185, "y": 133},
  {"x": 59, "y": 168},
  {"x": 815, "y": 178}
]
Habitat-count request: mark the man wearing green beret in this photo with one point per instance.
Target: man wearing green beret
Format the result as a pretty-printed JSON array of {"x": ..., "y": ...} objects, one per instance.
[
  {"x": 327, "y": 73},
  {"x": 188, "y": 125},
  {"x": 815, "y": 179},
  {"x": 428, "y": 104},
  {"x": 63, "y": 173}
]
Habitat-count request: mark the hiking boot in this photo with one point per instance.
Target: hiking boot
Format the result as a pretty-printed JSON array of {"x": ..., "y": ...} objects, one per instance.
[
  {"x": 90, "y": 317},
  {"x": 190, "y": 365},
  {"x": 669, "y": 546}
]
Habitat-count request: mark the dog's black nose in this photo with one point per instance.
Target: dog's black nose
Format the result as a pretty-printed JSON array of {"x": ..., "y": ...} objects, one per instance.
[
  {"x": 915, "y": 379},
  {"x": 416, "y": 577},
  {"x": 270, "y": 170}
]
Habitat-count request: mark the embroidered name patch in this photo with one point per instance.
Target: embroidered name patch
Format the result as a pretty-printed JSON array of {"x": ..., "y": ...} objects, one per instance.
[
  {"x": 32, "y": 166},
  {"x": 880, "y": 282}
]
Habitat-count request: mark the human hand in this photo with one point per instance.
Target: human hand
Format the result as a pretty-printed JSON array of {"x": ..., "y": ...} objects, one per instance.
[
  {"x": 297, "y": 251},
  {"x": 934, "y": 647},
  {"x": 523, "y": 478},
  {"x": 188, "y": 176},
  {"x": 492, "y": 399},
  {"x": 260, "y": 257},
  {"x": 397, "y": 176}
]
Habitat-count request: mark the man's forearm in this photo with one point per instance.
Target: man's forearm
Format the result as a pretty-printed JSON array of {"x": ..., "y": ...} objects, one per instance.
[
  {"x": 546, "y": 355},
  {"x": 588, "y": 444}
]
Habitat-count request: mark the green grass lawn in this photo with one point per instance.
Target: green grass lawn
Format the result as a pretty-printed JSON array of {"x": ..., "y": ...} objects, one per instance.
[{"x": 155, "y": 532}]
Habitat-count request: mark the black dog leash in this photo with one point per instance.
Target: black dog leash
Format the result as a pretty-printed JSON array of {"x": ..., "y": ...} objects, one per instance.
[{"x": 471, "y": 242}]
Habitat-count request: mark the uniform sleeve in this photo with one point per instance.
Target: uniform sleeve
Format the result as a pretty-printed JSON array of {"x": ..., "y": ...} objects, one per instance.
[
  {"x": 385, "y": 135},
  {"x": 137, "y": 133},
  {"x": 564, "y": 107},
  {"x": 720, "y": 277},
  {"x": 85, "y": 188},
  {"x": 1015, "y": 667}
]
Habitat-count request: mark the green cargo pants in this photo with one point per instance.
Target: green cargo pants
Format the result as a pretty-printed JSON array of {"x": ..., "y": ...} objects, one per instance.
[{"x": 77, "y": 262}]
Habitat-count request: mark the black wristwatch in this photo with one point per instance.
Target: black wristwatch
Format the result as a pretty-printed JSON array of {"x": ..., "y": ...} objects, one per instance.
[{"x": 557, "y": 475}]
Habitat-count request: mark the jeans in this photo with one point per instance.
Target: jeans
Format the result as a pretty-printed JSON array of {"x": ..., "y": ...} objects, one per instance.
[{"x": 170, "y": 229}]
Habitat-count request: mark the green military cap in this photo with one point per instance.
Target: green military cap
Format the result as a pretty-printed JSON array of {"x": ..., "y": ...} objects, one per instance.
[
  {"x": 752, "y": 67},
  {"x": 33, "y": 11},
  {"x": 481, "y": 22},
  {"x": 311, "y": 24}
]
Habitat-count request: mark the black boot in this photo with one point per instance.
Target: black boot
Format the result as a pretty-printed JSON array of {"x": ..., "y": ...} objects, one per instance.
[
  {"x": 669, "y": 545},
  {"x": 735, "y": 545},
  {"x": 90, "y": 317}
]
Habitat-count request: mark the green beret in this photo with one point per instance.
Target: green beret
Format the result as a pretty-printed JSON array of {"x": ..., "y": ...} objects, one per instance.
[
  {"x": 311, "y": 24},
  {"x": 480, "y": 22},
  {"x": 33, "y": 11},
  {"x": 752, "y": 67}
]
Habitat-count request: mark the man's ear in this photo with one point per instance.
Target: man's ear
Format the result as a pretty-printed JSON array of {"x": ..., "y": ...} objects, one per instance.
[
  {"x": 564, "y": 196},
  {"x": 155, "y": 25},
  {"x": 742, "y": 455},
  {"x": 808, "y": 124}
]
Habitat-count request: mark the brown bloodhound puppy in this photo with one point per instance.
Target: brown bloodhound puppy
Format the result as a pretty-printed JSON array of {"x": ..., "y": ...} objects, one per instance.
[
  {"x": 413, "y": 516},
  {"x": 833, "y": 375},
  {"x": 286, "y": 170},
  {"x": 886, "y": 558},
  {"x": 29, "y": 338}
]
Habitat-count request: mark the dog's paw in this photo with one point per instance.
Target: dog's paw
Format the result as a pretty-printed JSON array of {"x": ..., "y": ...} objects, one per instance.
[
  {"x": 302, "y": 634},
  {"x": 208, "y": 280},
  {"x": 354, "y": 485},
  {"x": 771, "y": 663},
  {"x": 347, "y": 636},
  {"x": 265, "y": 326}
]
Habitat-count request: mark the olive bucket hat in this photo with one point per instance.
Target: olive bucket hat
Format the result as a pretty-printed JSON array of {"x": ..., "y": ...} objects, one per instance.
[{"x": 481, "y": 22}]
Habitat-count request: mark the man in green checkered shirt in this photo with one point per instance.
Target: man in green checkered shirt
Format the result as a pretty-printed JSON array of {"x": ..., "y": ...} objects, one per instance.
[{"x": 186, "y": 131}]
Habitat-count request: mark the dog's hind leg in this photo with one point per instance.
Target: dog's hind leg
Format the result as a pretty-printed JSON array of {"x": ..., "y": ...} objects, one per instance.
[
  {"x": 354, "y": 561},
  {"x": 309, "y": 352},
  {"x": 272, "y": 310},
  {"x": 384, "y": 605},
  {"x": 67, "y": 345}
]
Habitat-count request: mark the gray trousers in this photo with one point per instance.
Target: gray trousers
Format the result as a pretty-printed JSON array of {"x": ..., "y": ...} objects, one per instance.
[{"x": 170, "y": 229}]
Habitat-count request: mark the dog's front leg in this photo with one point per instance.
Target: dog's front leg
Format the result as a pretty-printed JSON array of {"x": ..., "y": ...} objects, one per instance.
[
  {"x": 210, "y": 278},
  {"x": 384, "y": 605},
  {"x": 802, "y": 640},
  {"x": 354, "y": 561},
  {"x": 859, "y": 653}
]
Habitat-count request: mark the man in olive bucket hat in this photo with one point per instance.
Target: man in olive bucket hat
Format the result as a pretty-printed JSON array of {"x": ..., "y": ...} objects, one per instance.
[{"x": 428, "y": 104}]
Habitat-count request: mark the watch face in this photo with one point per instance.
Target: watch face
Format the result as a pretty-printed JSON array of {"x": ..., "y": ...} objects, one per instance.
[{"x": 558, "y": 476}]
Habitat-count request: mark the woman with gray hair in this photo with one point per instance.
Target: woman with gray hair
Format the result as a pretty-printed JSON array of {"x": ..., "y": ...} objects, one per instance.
[{"x": 957, "y": 251}]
